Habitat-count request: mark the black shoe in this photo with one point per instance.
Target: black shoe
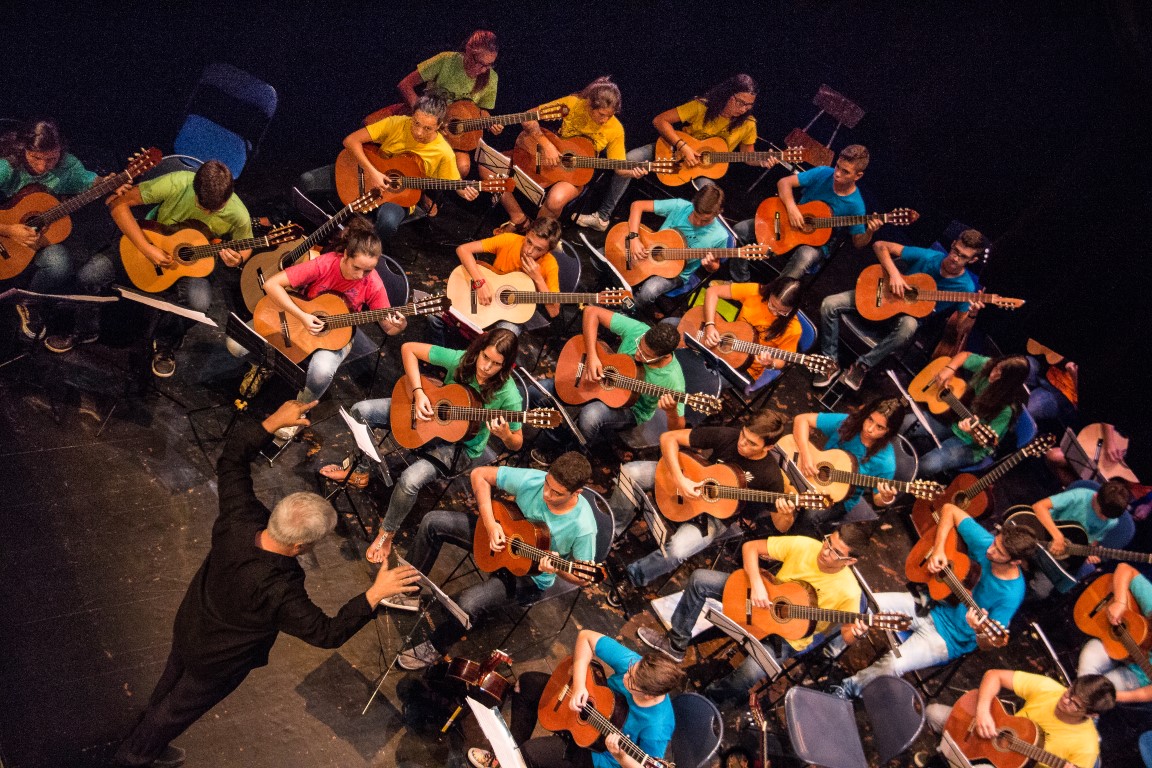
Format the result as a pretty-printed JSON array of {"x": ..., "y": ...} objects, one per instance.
[
  {"x": 854, "y": 376},
  {"x": 31, "y": 324},
  {"x": 163, "y": 361},
  {"x": 658, "y": 641},
  {"x": 171, "y": 757},
  {"x": 822, "y": 380}
]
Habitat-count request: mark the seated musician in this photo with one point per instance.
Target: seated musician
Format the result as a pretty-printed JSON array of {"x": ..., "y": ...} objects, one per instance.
[
  {"x": 551, "y": 498},
  {"x": 455, "y": 76},
  {"x": 994, "y": 393},
  {"x": 644, "y": 682},
  {"x": 724, "y": 111},
  {"x": 1065, "y": 715},
  {"x": 696, "y": 221},
  {"x": 486, "y": 367},
  {"x": 835, "y": 186},
  {"x": 770, "y": 308},
  {"x": 745, "y": 448},
  {"x": 822, "y": 564},
  {"x": 1130, "y": 590},
  {"x": 950, "y": 272},
  {"x": 419, "y": 134},
  {"x": 867, "y": 434},
  {"x": 949, "y": 631},
  {"x": 592, "y": 115}
]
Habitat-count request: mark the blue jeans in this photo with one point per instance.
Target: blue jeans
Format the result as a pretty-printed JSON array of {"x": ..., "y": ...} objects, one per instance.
[
  {"x": 596, "y": 420},
  {"x": 618, "y": 185},
  {"x": 191, "y": 292},
  {"x": 324, "y": 362},
  {"x": 653, "y": 288},
  {"x": 900, "y": 330},
  {"x": 804, "y": 257},
  {"x": 924, "y": 648},
  {"x": 1094, "y": 660},
  {"x": 52, "y": 267},
  {"x": 952, "y": 454}
]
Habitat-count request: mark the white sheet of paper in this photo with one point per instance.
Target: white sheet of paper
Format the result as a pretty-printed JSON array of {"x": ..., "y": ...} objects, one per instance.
[
  {"x": 363, "y": 435},
  {"x": 442, "y": 596},
  {"x": 57, "y": 297},
  {"x": 166, "y": 306},
  {"x": 665, "y": 606},
  {"x": 750, "y": 644},
  {"x": 498, "y": 735}
]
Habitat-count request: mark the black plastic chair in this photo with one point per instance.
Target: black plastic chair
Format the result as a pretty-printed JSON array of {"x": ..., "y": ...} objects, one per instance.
[
  {"x": 699, "y": 730},
  {"x": 226, "y": 117}
]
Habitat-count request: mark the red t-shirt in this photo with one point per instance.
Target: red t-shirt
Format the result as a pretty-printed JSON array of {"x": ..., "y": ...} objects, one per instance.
[{"x": 323, "y": 274}]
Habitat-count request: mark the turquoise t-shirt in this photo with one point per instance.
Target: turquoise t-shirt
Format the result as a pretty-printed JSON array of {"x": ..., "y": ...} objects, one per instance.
[
  {"x": 675, "y": 213},
  {"x": 175, "y": 199},
  {"x": 816, "y": 184},
  {"x": 69, "y": 177},
  {"x": 927, "y": 261},
  {"x": 671, "y": 375},
  {"x": 649, "y": 728},
  {"x": 1075, "y": 505},
  {"x": 506, "y": 398},
  {"x": 1141, "y": 589},
  {"x": 1000, "y": 597},
  {"x": 573, "y": 533},
  {"x": 882, "y": 464}
]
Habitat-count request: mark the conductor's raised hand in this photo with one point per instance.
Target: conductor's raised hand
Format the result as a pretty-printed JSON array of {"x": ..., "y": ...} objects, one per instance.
[
  {"x": 398, "y": 580},
  {"x": 290, "y": 414}
]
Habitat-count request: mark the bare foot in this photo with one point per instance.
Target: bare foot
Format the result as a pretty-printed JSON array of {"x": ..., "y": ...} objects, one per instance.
[{"x": 379, "y": 550}]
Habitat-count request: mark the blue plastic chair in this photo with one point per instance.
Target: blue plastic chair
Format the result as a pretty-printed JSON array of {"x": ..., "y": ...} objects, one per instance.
[
  {"x": 1025, "y": 429},
  {"x": 699, "y": 730},
  {"x": 227, "y": 117}
]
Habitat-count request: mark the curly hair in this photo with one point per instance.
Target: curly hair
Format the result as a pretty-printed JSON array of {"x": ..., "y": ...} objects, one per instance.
[
  {"x": 892, "y": 408},
  {"x": 662, "y": 339},
  {"x": 716, "y": 98},
  {"x": 571, "y": 470}
]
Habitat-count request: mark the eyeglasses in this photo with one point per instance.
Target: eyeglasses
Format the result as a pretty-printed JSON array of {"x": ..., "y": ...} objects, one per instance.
[
  {"x": 839, "y": 557},
  {"x": 645, "y": 359},
  {"x": 743, "y": 103}
]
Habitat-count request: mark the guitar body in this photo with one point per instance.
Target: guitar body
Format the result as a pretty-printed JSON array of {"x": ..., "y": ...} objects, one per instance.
[
  {"x": 350, "y": 181},
  {"x": 825, "y": 461},
  {"x": 264, "y": 265},
  {"x": 288, "y": 334},
  {"x": 576, "y": 388},
  {"x": 153, "y": 279},
  {"x": 524, "y": 158},
  {"x": 1091, "y": 439},
  {"x": 957, "y": 493},
  {"x": 412, "y": 433},
  {"x": 916, "y": 565},
  {"x": 1091, "y": 615},
  {"x": 555, "y": 714},
  {"x": 460, "y": 292},
  {"x": 924, "y": 388},
  {"x": 874, "y": 303},
  {"x": 462, "y": 109},
  {"x": 1061, "y": 571},
  {"x": 30, "y": 201},
  {"x": 706, "y": 168},
  {"x": 761, "y": 622},
  {"x": 961, "y": 727},
  {"x": 680, "y": 509},
  {"x": 692, "y": 323},
  {"x": 773, "y": 229},
  {"x": 515, "y": 528},
  {"x": 616, "y": 252}
]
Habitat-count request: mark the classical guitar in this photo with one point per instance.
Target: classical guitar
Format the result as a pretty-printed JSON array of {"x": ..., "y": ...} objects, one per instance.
[
  {"x": 458, "y": 414},
  {"x": 667, "y": 253},
  {"x": 1127, "y": 641},
  {"x": 262, "y": 266},
  {"x": 955, "y": 580},
  {"x": 36, "y": 207},
  {"x": 970, "y": 493},
  {"x": 602, "y": 716},
  {"x": 714, "y": 158},
  {"x": 481, "y": 681},
  {"x": 516, "y": 296},
  {"x": 404, "y": 177},
  {"x": 738, "y": 343},
  {"x": 288, "y": 334},
  {"x": 875, "y": 300},
  {"x": 1091, "y": 439},
  {"x": 836, "y": 473},
  {"x": 774, "y": 230},
  {"x": 1019, "y": 742},
  {"x": 577, "y": 160},
  {"x": 526, "y": 544},
  {"x": 723, "y": 488},
  {"x": 192, "y": 250},
  {"x": 793, "y": 612},
  {"x": 465, "y": 122},
  {"x": 759, "y": 719},
  {"x": 620, "y": 386},
  {"x": 925, "y": 389}
]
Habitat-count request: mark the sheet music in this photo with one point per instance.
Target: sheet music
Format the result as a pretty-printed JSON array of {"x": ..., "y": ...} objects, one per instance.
[
  {"x": 363, "y": 435},
  {"x": 915, "y": 408},
  {"x": 750, "y": 644},
  {"x": 57, "y": 297},
  {"x": 696, "y": 344},
  {"x": 600, "y": 255},
  {"x": 165, "y": 306},
  {"x": 441, "y": 596},
  {"x": 497, "y": 733},
  {"x": 665, "y": 606}
]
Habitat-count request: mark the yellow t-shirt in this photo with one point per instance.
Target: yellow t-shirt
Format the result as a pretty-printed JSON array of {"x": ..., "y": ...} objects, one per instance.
[
  {"x": 394, "y": 137},
  {"x": 837, "y": 591},
  {"x": 607, "y": 138},
  {"x": 692, "y": 115},
  {"x": 506, "y": 249},
  {"x": 1079, "y": 744},
  {"x": 754, "y": 310}
]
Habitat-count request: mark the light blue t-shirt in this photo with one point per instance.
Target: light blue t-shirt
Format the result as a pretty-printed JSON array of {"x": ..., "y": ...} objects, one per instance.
[
  {"x": 1000, "y": 597},
  {"x": 1141, "y": 589},
  {"x": 816, "y": 184},
  {"x": 69, "y": 177},
  {"x": 882, "y": 464},
  {"x": 1075, "y": 505},
  {"x": 650, "y": 728},
  {"x": 927, "y": 261},
  {"x": 573, "y": 533},
  {"x": 675, "y": 213}
]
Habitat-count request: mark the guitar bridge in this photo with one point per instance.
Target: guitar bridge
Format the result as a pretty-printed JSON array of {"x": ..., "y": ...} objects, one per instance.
[
  {"x": 776, "y": 225},
  {"x": 880, "y": 291},
  {"x": 284, "y": 330}
]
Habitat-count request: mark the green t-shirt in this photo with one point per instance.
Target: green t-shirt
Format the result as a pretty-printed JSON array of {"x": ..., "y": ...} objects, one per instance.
[
  {"x": 506, "y": 398},
  {"x": 444, "y": 74},
  {"x": 671, "y": 376},
  {"x": 175, "y": 199},
  {"x": 69, "y": 177},
  {"x": 978, "y": 384}
]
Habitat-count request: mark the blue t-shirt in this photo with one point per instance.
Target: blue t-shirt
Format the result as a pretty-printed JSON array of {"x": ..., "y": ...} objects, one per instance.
[
  {"x": 927, "y": 261},
  {"x": 882, "y": 464},
  {"x": 1000, "y": 597},
  {"x": 675, "y": 213},
  {"x": 816, "y": 184},
  {"x": 1075, "y": 505},
  {"x": 1141, "y": 589},
  {"x": 69, "y": 177},
  {"x": 573, "y": 533},
  {"x": 650, "y": 728}
]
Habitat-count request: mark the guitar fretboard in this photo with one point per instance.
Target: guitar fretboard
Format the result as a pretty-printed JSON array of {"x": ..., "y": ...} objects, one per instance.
[
  {"x": 717, "y": 491},
  {"x": 521, "y": 548},
  {"x": 547, "y": 297},
  {"x": 830, "y": 475},
  {"x": 615, "y": 378},
  {"x": 997, "y": 472},
  {"x": 729, "y": 341},
  {"x": 424, "y": 182},
  {"x": 468, "y": 413},
  {"x": 71, "y": 205},
  {"x": 707, "y": 156},
  {"x": 410, "y": 309},
  {"x": 1106, "y": 553},
  {"x": 1008, "y": 738},
  {"x": 660, "y": 253},
  {"x": 196, "y": 252},
  {"x": 606, "y": 727},
  {"x": 915, "y": 294},
  {"x": 322, "y": 233},
  {"x": 480, "y": 123},
  {"x": 832, "y": 222}
]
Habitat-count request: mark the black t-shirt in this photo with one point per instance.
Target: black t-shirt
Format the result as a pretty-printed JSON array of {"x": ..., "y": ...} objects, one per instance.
[{"x": 760, "y": 474}]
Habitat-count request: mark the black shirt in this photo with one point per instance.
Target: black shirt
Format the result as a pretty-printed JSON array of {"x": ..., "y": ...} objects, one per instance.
[{"x": 760, "y": 474}]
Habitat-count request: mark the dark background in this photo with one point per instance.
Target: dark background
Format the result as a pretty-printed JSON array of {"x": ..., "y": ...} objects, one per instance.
[{"x": 1026, "y": 120}]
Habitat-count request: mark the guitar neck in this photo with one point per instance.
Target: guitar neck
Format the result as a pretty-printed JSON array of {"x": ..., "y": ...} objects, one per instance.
[
  {"x": 97, "y": 191},
  {"x": 426, "y": 182},
  {"x": 1135, "y": 653},
  {"x": 369, "y": 316},
  {"x": 643, "y": 387},
  {"x": 325, "y": 231},
  {"x": 741, "y": 157},
  {"x": 961, "y": 592},
  {"x": 829, "y": 615},
  {"x": 687, "y": 254},
  {"x": 519, "y": 547},
  {"x": 604, "y": 163},
  {"x": 867, "y": 481},
  {"x": 597, "y": 720},
  {"x": 832, "y": 222},
  {"x": 1106, "y": 553},
  {"x": 548, "y": 297},
  {"x": 954, "y": 403},
  {"x": 1007, "y": 738},
  {"x": 480, "y": 123},
  {"x": 748, "y": 494},
  {"x": 752, "y": 348},
  {"x": 1003, "y": 468},
  {"x": 195, "y": 252}
]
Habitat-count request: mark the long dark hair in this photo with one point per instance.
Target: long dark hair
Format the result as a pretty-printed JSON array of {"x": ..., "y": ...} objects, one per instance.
[
  {"x": 1008, "y": 390},
  {"x": 484, "y": 40},
  {"x": 505, "y": 343},
  {"x": 891, "y": 407},
  {"x": 787, "y": 292},
  {"x": 716, "y": 98},
  {"x": 37, "y": 135}
]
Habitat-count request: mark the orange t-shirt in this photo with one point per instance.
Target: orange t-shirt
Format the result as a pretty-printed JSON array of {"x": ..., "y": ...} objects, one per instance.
[
  {"x": 754, "y": 310},
  {"x": 506, "y": 248}
]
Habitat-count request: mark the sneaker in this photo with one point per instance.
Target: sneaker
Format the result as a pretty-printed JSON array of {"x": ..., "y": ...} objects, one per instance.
[
  {"x": 253, "y": 380},
  {"x": 64, "y": 342},
  {"x": 591, "y": 221},
  {"x": 284, "y": 434},
  {"x": 171, "y": 757},
  {"x": 840, "y": 692},
  {"x": 482, "y": 758},
  {"x": 820, "y": 381},
  {"x": 854, "y": 376},
  {"x": 163, "y": 361},
  {"x": 540, "y": 460},
  {"x": 31, "y": 324},
  {"x": 657, "y": 640},
  {"x": 423, "y": 655},
  {"x": 402, "y": 603}
]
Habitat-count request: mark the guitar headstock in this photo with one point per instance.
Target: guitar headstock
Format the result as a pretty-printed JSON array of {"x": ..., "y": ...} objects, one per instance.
[
  {"x": 367, "y": 202},
  {"x": 925, "y": 489},
  {"x": 707, "y": 404},
  {"x": 1039, "y": 446},
  {"x": 995, "y": 633},
  {"x": 813, "y": 500},
  {"x": 593, "y": 573},
  {"x": 496, "y": 184},
  {"x": 901, "y": 217},
  {"x": 984, "y": 434},
  {"x": 543, "y": 418},
  {"x": 1004, "y": 302},
  {"x": 284, "y": 233},
  {"x": 664, "y": 165},
  {"x": 819, "y": 364},
  {"x": 552, "y": 112},
  {"x": 143, "y": 160},
  {"x": 755, "y": 252},
  {"x": 613, "y": 296},
  {"x": 890, "y": 622},
  {"x": 432, "y": 305},
  {"x": 792, "y": 155}
]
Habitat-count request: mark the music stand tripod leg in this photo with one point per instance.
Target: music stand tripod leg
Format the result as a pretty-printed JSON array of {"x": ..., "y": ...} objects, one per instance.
[
  {"x": 425, "y": 605},
  {"x": 341, "y": 487}
]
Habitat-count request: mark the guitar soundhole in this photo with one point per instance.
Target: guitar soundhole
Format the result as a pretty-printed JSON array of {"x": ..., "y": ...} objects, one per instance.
[
  {"x": 657, "y": 254},
  {"x": 824, "y": 473},
  {"x": 1003, "y": 738},
  {"x": 442, "y": 411},
  {"x": 393, "y": 183},
  {"x": 727, "y": 342},
  {"x": 507, "y": 296},
  {"x": 604, "y": 382},
  {"x": 910, "y": 293},
  {"x": 710, "y": 490},
  {"x": 780, "y": 610},
  {"x": 181, "y": 252}
]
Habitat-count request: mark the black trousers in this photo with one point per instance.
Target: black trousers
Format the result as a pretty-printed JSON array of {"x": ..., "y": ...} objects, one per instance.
[{"x": 546, "y": 751}]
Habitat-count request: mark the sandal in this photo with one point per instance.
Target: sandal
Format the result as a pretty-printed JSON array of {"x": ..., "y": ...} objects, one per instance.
[
  {"x": 513, "y": 227},
  {"x": 337, "y": 473},
  {"x": 379, "y": 549}
]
